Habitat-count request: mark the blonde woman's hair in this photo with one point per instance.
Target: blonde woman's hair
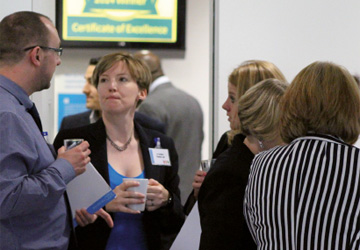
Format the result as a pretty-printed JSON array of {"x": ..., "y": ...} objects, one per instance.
[
  {"x": 247, "y": 75},
  {"x": 259, "y": 109},
  {"x": 323, "y": 98}
]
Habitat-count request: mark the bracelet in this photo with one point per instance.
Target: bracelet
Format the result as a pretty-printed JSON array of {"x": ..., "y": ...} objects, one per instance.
[{"x": 170, "y": 199}]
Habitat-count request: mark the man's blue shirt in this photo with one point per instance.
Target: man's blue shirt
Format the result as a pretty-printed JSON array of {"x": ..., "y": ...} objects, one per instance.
[{"x": 33, "y": 213}]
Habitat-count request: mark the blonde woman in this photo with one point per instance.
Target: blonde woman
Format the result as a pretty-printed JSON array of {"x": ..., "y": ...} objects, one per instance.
[
  {"x": 221, "y": 194},
  {"x": 240, "y": 80}
]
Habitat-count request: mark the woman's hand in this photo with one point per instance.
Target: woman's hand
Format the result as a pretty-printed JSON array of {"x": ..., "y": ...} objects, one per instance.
[
  {"x": 157, "y": 195},
  {"x": 198, "y": 180},
  {"x": 124, "y": 198},
  {"x": 84, "y": 218}
]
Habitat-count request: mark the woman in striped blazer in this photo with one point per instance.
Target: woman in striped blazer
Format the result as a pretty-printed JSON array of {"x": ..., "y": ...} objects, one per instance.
[{"x": 306, "y": 195}]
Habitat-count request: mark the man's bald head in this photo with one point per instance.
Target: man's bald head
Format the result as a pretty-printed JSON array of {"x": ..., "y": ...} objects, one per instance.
[{"x": 152, "y": 61}]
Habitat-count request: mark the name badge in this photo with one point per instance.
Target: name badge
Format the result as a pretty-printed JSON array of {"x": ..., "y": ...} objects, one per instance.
[{"x": 160, "y": 156}]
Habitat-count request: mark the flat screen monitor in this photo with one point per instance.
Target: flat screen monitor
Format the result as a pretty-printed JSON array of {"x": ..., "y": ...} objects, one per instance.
[{"x": 146, "y": 24}]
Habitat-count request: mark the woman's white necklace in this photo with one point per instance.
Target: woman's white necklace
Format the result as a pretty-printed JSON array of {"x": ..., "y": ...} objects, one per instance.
[{"x": 123, "y": 148}]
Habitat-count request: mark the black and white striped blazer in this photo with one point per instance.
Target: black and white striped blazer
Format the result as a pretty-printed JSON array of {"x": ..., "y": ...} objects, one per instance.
[{"x": 305, "y": 195}]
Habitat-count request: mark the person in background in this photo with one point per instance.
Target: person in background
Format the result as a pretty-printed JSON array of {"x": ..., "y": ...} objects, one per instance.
[
  {"x": 306, "y": 195},
  {"x": 222, "y": 192},
  {"x": 92, "y": 102},
  {"x": 120, "y": 149},
  {"x": 182, "y": 116},
  {"x": 34, "y": 213},
  {"x": 240, "y": 80},
  {"x": 94, "y": 113}
]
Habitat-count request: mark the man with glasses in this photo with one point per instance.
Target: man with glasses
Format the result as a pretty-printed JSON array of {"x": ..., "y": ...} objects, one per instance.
[
  {"x": 57, "y": 50},
  {"x": 33, "y": 210}
]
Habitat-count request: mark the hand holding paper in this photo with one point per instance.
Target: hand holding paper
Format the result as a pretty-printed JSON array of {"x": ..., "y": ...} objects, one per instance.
[
  {"x": 87, "y": 191},
  {"x": 83, "y": 217}
]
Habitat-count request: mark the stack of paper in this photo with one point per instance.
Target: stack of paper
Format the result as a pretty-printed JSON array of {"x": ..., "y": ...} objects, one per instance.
[{"x": 88, "y": 190}]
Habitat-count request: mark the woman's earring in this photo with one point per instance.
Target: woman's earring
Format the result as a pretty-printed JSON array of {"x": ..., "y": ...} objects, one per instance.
[{"x": 261, "y": 144}]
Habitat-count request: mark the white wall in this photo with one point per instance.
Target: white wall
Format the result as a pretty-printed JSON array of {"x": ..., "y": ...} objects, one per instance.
[
  {"x": 290, "y": 34},
  {"x": 188, "y": 70},
  {"x": 16, "y": 5}
]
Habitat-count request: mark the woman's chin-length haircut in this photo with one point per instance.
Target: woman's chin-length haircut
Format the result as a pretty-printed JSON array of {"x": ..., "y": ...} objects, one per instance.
[
  {"x": 138, "y": 70},
  {"x": 259, "y": 109},
  {"x": 324, "y": 99}
]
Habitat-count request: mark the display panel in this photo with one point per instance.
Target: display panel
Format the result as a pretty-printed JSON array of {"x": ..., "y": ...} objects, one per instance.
[{"x": 121, "y": 23}]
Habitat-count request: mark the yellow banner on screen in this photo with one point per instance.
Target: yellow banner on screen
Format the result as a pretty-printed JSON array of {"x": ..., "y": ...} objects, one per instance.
[{"x": 120, "y": 20}]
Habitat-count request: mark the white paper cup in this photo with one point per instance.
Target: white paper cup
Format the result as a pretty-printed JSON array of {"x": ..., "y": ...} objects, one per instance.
[
  {"x": 142, "y": 188},
  {"x": 71, "y": 143}
]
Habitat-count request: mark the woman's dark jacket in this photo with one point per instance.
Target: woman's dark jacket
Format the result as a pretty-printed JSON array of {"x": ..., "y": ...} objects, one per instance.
[{"x": 162, "y": 225}]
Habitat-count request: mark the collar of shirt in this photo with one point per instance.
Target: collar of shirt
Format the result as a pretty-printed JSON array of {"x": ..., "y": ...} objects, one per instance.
[
  {"x": 324, "y": 137},
  {"x": 160, "y": 80},
  {"x": 93, "y": 117},
  {"x": 16, "y": 91}
]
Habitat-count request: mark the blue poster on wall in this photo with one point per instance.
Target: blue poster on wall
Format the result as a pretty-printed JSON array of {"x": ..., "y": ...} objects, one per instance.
[{"x": 70, "y": 104}]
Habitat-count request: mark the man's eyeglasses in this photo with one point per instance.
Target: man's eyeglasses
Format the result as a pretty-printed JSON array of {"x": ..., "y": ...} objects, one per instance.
[{"x": 58, "y": 51}]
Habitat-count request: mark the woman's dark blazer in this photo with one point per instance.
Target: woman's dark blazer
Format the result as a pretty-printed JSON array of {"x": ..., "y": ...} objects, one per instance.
[
  {"x": 162, "y": 225},
  {"x": 220, "y": 200},
  {"x": 222, "y": 146}
]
